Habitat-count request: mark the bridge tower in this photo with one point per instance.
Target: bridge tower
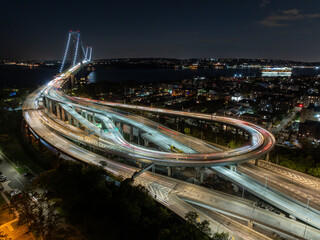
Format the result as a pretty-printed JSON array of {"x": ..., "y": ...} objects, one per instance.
[{"x": 72, "y": 54}]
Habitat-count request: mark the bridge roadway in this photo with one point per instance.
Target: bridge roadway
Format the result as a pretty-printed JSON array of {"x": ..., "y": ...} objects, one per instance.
[
  {"x": 41, "y": 126},
  {"x": 261, "y": 142},
  {"x": 166, "y": 190}
]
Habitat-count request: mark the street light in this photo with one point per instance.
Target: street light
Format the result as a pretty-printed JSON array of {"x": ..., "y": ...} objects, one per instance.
[
  {"x": 265, "y": 184},
  {"x": 308, "y": 202}
]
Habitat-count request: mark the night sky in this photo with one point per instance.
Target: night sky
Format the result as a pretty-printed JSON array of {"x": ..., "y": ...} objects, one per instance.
[{"x": 274, "y": 29}]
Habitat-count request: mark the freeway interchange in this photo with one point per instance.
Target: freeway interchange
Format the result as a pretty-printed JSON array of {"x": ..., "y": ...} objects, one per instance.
[
  {"x": 261, "y": 140},
  {"x": 68, "y": 122}
]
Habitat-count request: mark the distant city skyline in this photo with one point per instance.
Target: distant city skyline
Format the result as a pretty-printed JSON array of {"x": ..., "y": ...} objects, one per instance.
[{"x": 181, "y": 29}]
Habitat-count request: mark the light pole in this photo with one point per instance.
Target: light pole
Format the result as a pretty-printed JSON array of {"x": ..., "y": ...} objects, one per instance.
[
  {"x": 265, "y": 183},
  {"x": 308, "y": 202}
]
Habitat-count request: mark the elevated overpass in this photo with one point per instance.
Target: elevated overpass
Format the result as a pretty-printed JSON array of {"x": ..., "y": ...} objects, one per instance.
[
  {"x": 75, "y": 120},
  {"x": 84, "y": 113}
]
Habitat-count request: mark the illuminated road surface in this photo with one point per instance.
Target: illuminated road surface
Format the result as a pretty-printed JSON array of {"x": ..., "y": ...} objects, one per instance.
[
  {"x": 261, "y": 141},
  {"x": 166, "y": 188}
]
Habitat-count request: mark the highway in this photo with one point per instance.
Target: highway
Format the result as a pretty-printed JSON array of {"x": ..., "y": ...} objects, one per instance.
[
  {"x": 272, "y": 197},
  {"x": 57, "y": 134},
  {"x": 295, "y": 185},
  {"x": 261, "y": 141}
]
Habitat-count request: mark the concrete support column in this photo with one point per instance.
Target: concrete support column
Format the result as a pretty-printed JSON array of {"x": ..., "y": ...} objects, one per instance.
[
  {"x": 256, "y": 162},
  {"x": 267, "y": 157},
  {"x": 76, "y": 123},
  {"x": 50, "y": 106},
  {"x": 201, "y": 174},
  {"x": 131, "y": 132},
  {"x": 69, "y": 118},
  {"x": 146, "y": 143},
  {"x": 170, "y": 171},
  {"x": 86, "y": 115},
  {"x": 93, "y": 118},
  {"x": 58, "y": 110},
  {"x": 46, "y": 103},
  {"x": 63, "y": 114},
  {"x": 153, "y": 168},
  {"x": 139, "y": 137},
  {"x": 121, "y": 128}
]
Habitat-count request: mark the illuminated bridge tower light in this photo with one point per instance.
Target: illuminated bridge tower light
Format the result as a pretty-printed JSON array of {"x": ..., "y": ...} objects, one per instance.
[
  {"x": 86, "y": 54},
  {"x": 66, "y": 52},
  {"x": 90, "y": 56},
  {"x": 72, "y": 53},
  {"x": 76, "y": 52}
]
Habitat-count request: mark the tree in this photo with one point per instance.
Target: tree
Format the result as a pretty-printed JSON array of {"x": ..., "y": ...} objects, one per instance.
[
  {"x": 220, "y": 236},
  {"x": 41, "y": 216},
  {"x": 192, "y": 217},
  {"x": 4, "y": 236},
  {"x": 187, "y": 130},
  {"x": 314, "y": 172}
]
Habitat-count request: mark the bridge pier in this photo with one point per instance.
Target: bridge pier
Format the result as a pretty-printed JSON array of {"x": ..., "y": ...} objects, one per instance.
[
  {"x": 200, "y": 174},
  {"x": 46, "y": 103},
  {"x": 69, "y": 118},
  {"x": 256, "y": 162},
  {"x": 139, "y": 137},
  {"x": 63, "y": 114},
  {"x": 58, "y": 110},
  {"x": 131, "y": 133},
  {"x": 121, "y": 128},
  {"x": 50, "y": 107},
  {"x": 170, "y": 171},
  {"x": 93, "y": 118}
]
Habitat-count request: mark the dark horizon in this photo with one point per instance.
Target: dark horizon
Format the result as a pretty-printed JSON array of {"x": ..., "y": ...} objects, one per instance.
[
  {"x": 264, "y": 29},
  {"x": 172, "y": 58}
]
